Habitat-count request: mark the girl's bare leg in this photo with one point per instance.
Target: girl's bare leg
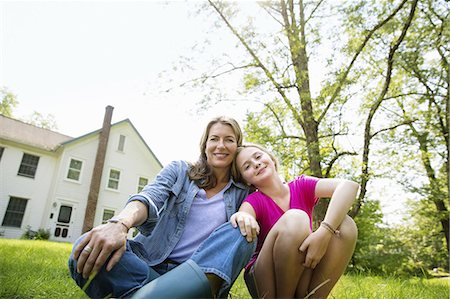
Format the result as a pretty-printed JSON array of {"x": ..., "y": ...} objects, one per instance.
[
  {"x": 335, "y": 260},
  {"x": 279, "y": 264}
]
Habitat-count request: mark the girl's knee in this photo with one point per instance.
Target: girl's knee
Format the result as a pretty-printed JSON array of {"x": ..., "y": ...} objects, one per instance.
[
  {"x": 348, "y": 225},
  {"x": 348, "y": 229},
  {"x": 294, "y": 222},
  {"x": 294, "y": 217}
]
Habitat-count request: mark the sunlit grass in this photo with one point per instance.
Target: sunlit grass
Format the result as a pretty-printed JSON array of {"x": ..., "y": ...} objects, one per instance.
[
  {"x": 38, "y": 269},
  {"x": 359, "y": 286}
]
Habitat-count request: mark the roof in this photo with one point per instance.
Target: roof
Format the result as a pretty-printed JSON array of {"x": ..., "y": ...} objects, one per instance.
[
  {"x": 21, "y": 132},
  {"x": 112, "y": 125}
]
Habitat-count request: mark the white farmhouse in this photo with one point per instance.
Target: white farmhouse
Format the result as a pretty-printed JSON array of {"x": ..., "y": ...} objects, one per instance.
[{"x": 69, "y": 185}]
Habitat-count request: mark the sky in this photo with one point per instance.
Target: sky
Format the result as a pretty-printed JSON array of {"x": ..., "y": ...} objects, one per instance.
[{"x": 71, "y": 59}]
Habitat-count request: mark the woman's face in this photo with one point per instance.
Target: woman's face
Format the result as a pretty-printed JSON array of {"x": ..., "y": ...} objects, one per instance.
[
  {"x": 255, "y": 165},
  {"x": 221, "y": 146}
]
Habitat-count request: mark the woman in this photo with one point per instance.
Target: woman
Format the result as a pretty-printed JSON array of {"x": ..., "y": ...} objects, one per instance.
[
  {"x": 292, "y": 261},
  {"x": 186, "y": 248}
]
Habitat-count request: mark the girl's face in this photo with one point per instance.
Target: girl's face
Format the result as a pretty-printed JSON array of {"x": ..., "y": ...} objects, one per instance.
[
  {"x": 255, "y": 165},
  {"x": 221, "y": 146}
]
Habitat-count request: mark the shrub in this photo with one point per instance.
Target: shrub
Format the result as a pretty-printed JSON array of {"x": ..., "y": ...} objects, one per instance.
[{"x": 40, "y": 234}]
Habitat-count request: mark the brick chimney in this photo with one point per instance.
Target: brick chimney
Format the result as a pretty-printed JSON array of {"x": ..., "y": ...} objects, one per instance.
[{"x": 98, "y": 170}]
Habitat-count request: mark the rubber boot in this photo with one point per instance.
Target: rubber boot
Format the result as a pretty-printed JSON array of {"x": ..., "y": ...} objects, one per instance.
[{"x": 185, "y": 281}]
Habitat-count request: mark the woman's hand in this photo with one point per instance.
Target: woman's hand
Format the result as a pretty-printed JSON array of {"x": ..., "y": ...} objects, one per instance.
[
  {"x": 315, "y": 246},
  {"x": 247, "y": 224},
  {"x": 98, "y": 245}
]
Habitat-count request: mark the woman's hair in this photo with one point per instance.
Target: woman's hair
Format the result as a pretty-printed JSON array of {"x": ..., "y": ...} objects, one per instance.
[
  {"x": 200, "y": 172},
  {"x": 235, "y": 168}
]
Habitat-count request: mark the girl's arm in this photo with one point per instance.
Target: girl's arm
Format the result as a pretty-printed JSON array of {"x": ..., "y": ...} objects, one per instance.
[
  {"x": 342, "y": 194},
  {"x": 245, "y": 218}
]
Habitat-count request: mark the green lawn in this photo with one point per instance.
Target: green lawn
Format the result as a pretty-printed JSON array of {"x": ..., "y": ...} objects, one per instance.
[{"x": 38, "y": 269}]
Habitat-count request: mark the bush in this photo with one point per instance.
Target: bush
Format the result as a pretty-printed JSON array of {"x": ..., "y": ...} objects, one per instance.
[{"x": 40, "y": 234}]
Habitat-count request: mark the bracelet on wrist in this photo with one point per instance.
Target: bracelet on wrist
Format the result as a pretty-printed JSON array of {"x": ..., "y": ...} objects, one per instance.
[
  {"x": 117, "y": 220},
  {"x": 329, "y": 228}
]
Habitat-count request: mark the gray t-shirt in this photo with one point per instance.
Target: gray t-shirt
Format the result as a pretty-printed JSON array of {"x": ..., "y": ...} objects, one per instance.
[{"x": 205, "y": 215}]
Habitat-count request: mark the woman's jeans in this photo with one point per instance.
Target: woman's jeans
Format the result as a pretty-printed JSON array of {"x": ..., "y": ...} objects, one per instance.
[{"x": 224, "y": 253}]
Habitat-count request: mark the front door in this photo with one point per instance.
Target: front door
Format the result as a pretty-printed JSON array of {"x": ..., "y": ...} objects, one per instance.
[{"x": 63, "y": 222}]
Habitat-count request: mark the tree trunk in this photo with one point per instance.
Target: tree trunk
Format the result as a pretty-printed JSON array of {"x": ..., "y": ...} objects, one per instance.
[{"x": 297, "y": 44}]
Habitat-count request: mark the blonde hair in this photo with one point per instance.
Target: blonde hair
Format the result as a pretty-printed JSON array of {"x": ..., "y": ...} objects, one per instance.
[
  {"x": 235, "y": 168},
  {"x": 200, "y": 172}
]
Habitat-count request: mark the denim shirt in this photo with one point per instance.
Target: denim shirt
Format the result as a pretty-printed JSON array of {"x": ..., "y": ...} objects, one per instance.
[{"x": 168, "y": 199}]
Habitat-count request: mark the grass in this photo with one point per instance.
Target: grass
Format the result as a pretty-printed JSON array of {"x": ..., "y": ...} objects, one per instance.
[
  {"x": 38, "y": 269},
  {"x": 374, "y": 287}
]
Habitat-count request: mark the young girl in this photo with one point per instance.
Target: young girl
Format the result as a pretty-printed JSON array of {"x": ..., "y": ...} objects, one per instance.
[{"x": 292, "y": 261}]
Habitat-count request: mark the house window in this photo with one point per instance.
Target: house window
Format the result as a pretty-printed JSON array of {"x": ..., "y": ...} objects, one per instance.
[
  {"x": 142, "y": 183},
  {"x": 121, "y": 146},
  {"x": 74, "y": 171},
  {"x": 1, "y": 152},
  {"x": 28, "y": 166},
  {"x": 107, "y": 214},
  {"x": 14, "y": 212},
  {"x": 114, "y": 176}
]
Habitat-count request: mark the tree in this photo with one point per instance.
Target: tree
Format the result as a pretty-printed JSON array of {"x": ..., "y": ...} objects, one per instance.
[
  {"x": 414, "y": 105},
  {"x": 293, "y": 119},
  {"x": 430, "y": 127},
  {"x": 381, "y": 110},
  {"x": 43, "y": 121},
  {"x": 9, "y": 102}
]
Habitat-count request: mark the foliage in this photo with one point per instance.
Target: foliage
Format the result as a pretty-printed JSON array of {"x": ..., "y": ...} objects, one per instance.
[
  {"x": 378, "y": 250},
  {"x": 355, "y": 89},
  {"x": 40, "y": 234},
  {"x": 423, "y": 235},
  {"x": 43, "y": 121},
  {"x": 417, "y": 109},
  {"x": 411, "y": 248},
  {"x": 8, "y": 102}
]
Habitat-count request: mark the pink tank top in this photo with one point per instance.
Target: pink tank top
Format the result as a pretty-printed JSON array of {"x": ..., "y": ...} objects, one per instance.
[{"x": 268, "y": 212}]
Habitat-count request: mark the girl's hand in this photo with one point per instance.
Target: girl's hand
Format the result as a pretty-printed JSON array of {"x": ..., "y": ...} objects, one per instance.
[
  {"x": 315, "y": 246},
  {"x": 247, "y": 224},
  {"x": 98, "y": 245}
]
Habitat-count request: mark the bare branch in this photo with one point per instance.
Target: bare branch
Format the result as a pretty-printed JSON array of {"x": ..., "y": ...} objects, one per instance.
[
  {"x": 406, "y": 122},
  {"x": 313, "y": 11},
  {"x": 376, "y": 105},
  {"x": 259, "y": 63},
  {"x": 334, "y": 159},
  {"x": 357, "y": 53}
]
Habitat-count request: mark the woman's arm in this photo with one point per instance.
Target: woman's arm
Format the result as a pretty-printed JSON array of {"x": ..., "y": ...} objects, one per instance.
[
  {"x": 245, "y": 218},
  {"x": 108, "y": 239}
]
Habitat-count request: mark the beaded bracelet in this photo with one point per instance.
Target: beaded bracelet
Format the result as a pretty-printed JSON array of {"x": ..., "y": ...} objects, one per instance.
[{"x": 329, "y": 228}]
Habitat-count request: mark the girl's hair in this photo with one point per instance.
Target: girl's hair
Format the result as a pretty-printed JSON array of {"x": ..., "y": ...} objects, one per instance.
[
  {"x": 235, "y": 168},
  {"x": 200, "y": 172}
]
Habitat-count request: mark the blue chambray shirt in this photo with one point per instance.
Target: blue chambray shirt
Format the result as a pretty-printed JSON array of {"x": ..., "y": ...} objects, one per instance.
[{"x": 169, "y": 198}]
